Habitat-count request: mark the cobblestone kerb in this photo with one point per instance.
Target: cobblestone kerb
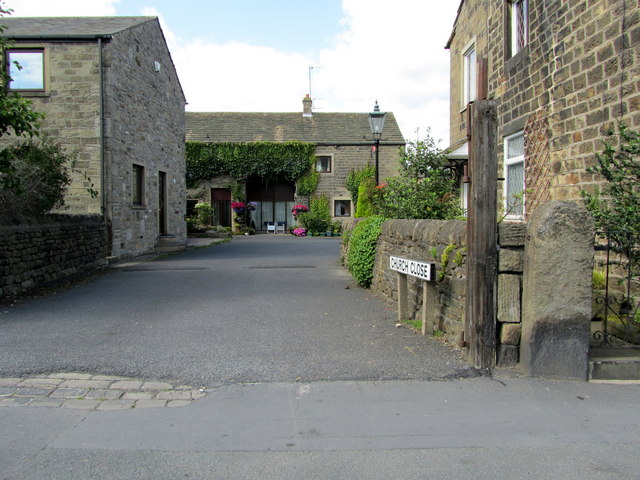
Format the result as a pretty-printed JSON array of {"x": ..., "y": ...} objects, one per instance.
[{"x": 93, "y": 392}]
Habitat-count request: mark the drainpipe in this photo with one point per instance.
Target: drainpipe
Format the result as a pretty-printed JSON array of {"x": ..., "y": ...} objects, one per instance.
[{"x": 103, "y": 195}]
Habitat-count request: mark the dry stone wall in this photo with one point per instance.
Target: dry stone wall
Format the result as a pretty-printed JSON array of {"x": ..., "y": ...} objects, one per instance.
[
  {"x": 49, "y": 249},
  {"x": 444, "y": 243}
]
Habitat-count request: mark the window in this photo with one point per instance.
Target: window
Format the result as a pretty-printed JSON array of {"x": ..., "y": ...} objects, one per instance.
[
  {"x": 342, "y": 208},
  {"x": 25, "y": 66},
  {"x": 518, "y": 25},
  {"x": 137, "y": 197},
  {"x": 323, "y": 163},
  {"x": 469, "y": 75},
  {"x": 514, "y": 175}
]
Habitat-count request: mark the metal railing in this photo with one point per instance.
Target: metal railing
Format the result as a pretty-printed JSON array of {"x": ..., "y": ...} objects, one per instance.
[{"x": 617, "y": 307}]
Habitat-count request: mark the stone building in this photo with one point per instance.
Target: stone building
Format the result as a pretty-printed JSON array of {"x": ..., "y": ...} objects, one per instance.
[
  {"x": 343, "y": 143},
  {"x": 113, "y": 99},
  {"x": 563, "y": 72}
]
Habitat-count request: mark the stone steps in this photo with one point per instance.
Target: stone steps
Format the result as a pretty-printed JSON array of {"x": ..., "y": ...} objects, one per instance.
[{"x": 614, "y": 365}]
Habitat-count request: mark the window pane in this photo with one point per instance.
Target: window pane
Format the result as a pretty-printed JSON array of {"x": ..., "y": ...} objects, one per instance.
[
  {"x": 515, "y": 146},
  {"x": 138, "y": 185},
  {"x": 342, "y": 208},
  {"x": 31, "y": 74},
  {"x": 515, "y": 189},
  {"x": 470, "y": 80},
  {"x": 323, "y": 164}
]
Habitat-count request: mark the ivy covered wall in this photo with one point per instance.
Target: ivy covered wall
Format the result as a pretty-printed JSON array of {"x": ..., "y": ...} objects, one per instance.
[{"x": 271, "y": 162}]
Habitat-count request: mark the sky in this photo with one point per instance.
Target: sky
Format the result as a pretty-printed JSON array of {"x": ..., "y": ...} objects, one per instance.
[{"x": 264, "y": 56}]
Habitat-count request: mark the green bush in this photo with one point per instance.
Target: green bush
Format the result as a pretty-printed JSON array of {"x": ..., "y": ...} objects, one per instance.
[
  {"x": 425, "y": 188},
  {"x": 321, "y": 208},
  {"x": 36, "y": 178},
  {"x": 366, "y": 192},
  {"x": 362, "y": 249},
  {"x": 318, "y": 218},
  {"x": 204, "y": 213},
  {"x": 356, "y": 177}
]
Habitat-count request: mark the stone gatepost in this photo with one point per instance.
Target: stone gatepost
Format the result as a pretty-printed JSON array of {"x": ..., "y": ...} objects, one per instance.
[{"x": 557, "y": 291}]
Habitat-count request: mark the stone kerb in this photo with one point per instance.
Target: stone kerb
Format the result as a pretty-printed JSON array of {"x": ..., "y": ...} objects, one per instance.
[{"x": 557, "y": 291}]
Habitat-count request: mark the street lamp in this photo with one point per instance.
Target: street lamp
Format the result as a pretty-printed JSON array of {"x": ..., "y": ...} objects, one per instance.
[{"x": 376, "y": 121}]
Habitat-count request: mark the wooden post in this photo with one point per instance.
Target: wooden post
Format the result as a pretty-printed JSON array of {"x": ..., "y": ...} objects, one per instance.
[
  {"x": 403, "y": 300},
  {"x": 482, "y": 227}
]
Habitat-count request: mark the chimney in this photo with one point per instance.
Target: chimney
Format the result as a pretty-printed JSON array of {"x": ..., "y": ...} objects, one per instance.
[{"x": 307, "y": 105}]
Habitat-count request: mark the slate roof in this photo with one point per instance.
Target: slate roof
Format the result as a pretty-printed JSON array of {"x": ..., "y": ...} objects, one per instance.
[
  {"x": 320, "y": 128},
  {"x": 50, "y": 27}
]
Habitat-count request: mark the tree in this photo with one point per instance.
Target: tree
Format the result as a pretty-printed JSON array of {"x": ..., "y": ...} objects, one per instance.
[
  {"x": 39, "y": 177},
  {"x": 616, "y": 206},
  {"x": 425, "y": 188}
]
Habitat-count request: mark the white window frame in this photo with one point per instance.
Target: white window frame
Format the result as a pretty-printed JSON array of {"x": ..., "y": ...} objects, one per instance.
[
  {"x": 515, "y": 7},
  {"x": 469, "y": 73},
  {"x": 510, "y": 162},
  {"x": 330, "y": 163}
]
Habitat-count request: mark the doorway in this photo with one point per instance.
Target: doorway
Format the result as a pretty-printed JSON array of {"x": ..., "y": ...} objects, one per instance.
[
  {"x": 162, "y": 203},
  {"x": 273, "y": 202},
  {"x": 221, "y": 205}
]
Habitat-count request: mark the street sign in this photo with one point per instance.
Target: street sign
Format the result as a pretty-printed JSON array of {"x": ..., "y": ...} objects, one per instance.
[{"x": 425, "y": 271}]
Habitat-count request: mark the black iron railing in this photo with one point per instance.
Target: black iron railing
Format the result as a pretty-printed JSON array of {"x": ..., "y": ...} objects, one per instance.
[{"x": 616, "y": 292}]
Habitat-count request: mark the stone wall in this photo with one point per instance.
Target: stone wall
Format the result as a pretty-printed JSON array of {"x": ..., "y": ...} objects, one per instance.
[
  {"x": 49, "y": 250},
  {"x": 444, "y": 243},
  {"x": 543, "y": 304},
  {"x": 144, "y": 125}
]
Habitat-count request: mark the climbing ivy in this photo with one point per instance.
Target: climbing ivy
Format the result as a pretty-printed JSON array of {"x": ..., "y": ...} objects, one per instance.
[
  {"x": 269, "y": 161},
  {"x": 308, "y": 183}
]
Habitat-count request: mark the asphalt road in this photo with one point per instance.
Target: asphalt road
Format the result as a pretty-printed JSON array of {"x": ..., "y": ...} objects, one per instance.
[
  {"x": 305, "y": 378},
  {"x": 265, "y": 308}
]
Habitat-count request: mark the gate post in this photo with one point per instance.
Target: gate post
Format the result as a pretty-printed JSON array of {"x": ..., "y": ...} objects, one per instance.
[{"x": 482, "y": 237}]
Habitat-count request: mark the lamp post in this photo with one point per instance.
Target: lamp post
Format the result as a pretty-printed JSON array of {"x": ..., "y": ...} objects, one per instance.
[{"x": 376, "y": 121}]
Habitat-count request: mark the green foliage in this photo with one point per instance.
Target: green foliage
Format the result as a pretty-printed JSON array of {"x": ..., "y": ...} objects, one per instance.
[
  {"x": 444, "y": 260},
  {"x": 434, "y": 252},
  {"x": 237, "y": 192},
  {"x": 366, "y": 193},
  {"x": 459, "y": 258},
  {"x": 616, "y": 208},
  {"x": 599, "y": 279},
  {"x": 16, "y": 114},
  {"x": 308, "y": 183},
  {"x": 204, "y": 213},
  {"x": 318, "y": 218},
  {"x": 356, "y": 177},
  {"x": 362, "y": 249},
  {"x": 36, "y": 179},
  {"x": 269, "y": 161},
  {"x": 426, "y": 186},
  {"x": 320, "y": 207}
]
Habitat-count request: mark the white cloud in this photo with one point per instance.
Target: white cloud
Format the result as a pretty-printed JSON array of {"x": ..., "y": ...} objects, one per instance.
[
  {"x": 49, "y": 8},
  {"x": 240, "y": 77},
  {"x": 392, "y": 52}
]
